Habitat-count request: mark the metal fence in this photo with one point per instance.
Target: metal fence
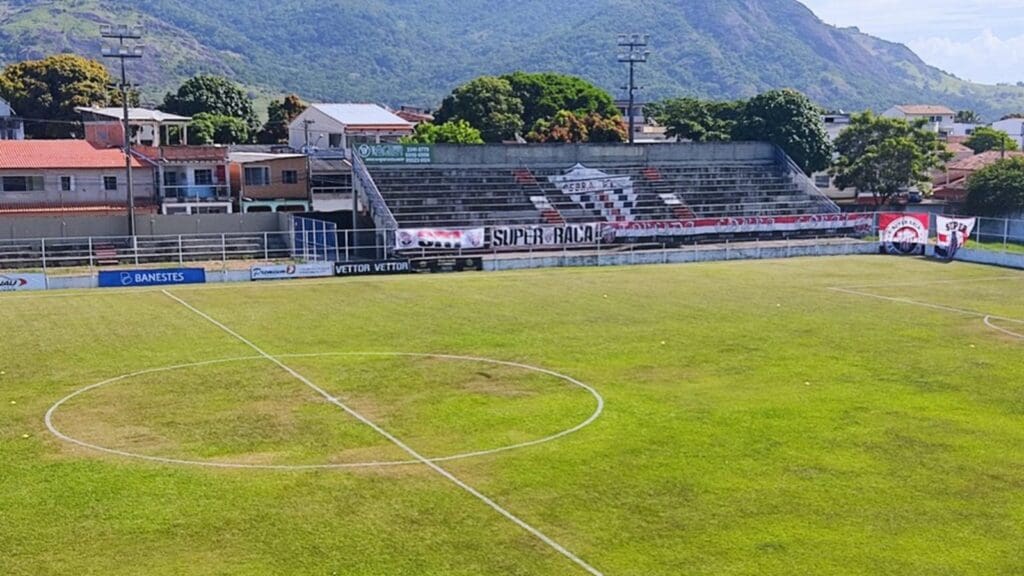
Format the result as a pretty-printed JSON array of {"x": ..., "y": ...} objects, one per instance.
[{"x": 329, "y": 244}]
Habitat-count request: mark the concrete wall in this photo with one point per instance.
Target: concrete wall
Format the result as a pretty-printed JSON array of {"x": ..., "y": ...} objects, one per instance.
[
  {"x": 704, "y": 254},
  {"x": 67, "y": 226},
  {"x": 1005, "y": 259},
  {"x": 569, "y": 154}
]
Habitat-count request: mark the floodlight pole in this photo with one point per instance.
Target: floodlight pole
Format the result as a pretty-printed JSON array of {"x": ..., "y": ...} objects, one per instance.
[
  {"x": 123, "y": 52},
  {"x": 636, "y": 53}
]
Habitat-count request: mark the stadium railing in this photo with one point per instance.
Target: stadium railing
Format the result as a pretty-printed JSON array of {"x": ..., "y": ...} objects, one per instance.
[{"x": 242, "y": 250}]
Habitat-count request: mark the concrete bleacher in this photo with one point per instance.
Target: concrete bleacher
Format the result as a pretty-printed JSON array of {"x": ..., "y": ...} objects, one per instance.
[{"x": 536, "y": 185}]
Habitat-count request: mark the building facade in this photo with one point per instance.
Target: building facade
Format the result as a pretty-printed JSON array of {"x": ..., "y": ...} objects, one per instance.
[
  {"x": 342, "y": 126},
  {"x": 270, "y": 182},
  {"x": 69, "y": 175}
]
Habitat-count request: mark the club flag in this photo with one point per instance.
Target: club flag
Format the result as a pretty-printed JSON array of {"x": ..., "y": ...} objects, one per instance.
[
  {"x": 903, "y": 234},
  {"x": 953, "y": 234}
]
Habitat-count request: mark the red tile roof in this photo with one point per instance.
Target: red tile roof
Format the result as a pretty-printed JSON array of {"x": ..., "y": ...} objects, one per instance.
[
  {"x": 59, "y": 154},
  {"x": 979, "y": 161}
]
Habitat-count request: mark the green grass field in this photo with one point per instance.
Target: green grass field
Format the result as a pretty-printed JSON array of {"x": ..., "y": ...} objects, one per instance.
[{"x": 755, "y": 422}]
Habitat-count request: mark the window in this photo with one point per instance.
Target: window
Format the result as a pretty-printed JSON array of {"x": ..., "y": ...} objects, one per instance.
[
  {"x": 170, "y": 179},
  {"x": 334, "y": 140},
  {"x": 110, "y": 183},
  {"x": 257, "y": 176},
  {"x": 22, "y": 183},
  {"x": 822, "y": 180},
  {"x": 67, "y": 183},
  {"x": 204, "y": 177},
  {"x": 290, "y": 176}
]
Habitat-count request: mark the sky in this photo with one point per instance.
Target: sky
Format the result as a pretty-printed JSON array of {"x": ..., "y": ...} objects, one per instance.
[{"x": 978, "y": 40}]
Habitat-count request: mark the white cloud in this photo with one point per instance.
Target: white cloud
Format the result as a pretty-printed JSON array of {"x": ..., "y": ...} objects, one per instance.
[
  {"x": 981, "y": 40},
  {"x": 985, "y": 58}
]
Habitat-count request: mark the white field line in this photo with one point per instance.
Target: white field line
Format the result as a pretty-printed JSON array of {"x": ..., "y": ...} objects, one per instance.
[
  {"x": 932, "y": 282},
  {"x": 988, "y": 322},
  {"x": 305, "y": 467},
  {"x": 963, "y": 311},
  {"x": 403, "y": 446}
]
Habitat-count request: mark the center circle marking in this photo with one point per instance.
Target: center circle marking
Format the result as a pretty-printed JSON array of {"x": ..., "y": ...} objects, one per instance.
[{"x": 599, "y": 408}]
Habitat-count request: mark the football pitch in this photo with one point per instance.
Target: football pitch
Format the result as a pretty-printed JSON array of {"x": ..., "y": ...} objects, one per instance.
[{"x": 853, "y": 416}]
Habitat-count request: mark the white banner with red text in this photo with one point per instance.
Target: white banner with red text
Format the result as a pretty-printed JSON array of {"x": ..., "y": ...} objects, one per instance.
[
  {"x": 746, "y": 225},
  {"x": 19, "y": 282},
  {"x": 440, "y": 239}
]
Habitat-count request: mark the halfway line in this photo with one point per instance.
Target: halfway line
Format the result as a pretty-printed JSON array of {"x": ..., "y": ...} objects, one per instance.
[{"x": 402, "y": 445}]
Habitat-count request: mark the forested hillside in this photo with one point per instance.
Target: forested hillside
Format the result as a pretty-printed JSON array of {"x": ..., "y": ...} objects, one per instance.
[{"x": 403, "y": 51}]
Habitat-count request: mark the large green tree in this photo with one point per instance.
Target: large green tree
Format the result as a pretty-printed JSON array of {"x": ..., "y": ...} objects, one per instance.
[
  {"x": 47, "y": 91},
  {"x": 217, "y": 129},
  {"x": 488, "y": 104},
  {"x": 546, "y": 94},
  {"x": 790, "y": 120},
  {"x": 886, "y": 156},
  {"x": 997, "y": 190},
  {"x": 986, "y": 138},
  {"x": 452, "y": 132},
  {"x": 695, "y": 119},
  {"x": 504, "y": 106},
  {"x": 212, "y": 95},
  {"x": 967, "y": 117},
  {"x": 280, "y": 114}
]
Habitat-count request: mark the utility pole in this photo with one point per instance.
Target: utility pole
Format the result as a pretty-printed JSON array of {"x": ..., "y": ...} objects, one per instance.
[
  {"x": 633, "y": 50},
  {"x": 305, "y": 128},
  {"x": 124, "y": 52}
]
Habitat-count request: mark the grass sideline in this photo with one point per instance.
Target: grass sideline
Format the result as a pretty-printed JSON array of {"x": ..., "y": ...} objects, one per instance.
[{"x": 756, "y": 423}]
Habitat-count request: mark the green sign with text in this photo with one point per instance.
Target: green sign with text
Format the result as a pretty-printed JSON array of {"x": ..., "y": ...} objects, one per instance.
[{"x": 395, "y": 153}]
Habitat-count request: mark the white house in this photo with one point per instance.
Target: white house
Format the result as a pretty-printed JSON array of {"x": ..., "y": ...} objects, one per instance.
[
  {"x": 342, "y": 126},
  {"x": 104, "y": 126},
  {"x": 1014, "y": 127},
  {"x": 11, "y": 127},
  {"x": 940, "y": 118}
]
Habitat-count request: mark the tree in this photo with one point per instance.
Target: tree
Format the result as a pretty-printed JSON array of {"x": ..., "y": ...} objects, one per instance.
[
  {"x": 967, "y": 117},
  {"x": 51, "y": 88},
  {"x": 546, "y": 94},
  {"x": 998, "y": 189},
  {"x": 217, "y": 129},
  {"x": 695, "y": 119},
  {"x": 452, "y": 132},
  {"x": 488, "y": 104},
  {"x": 986, "y": 138},
  {"x": 280, "y": 114},
  {"x": 605, "y": 128},
  {"x": 564, "y": 127},
  {"x": 886, "y": 156},
  {"x": 212, "y": 95},
  {"x": 791, "y": 121},
  {"x": 1012, "y": 116}
]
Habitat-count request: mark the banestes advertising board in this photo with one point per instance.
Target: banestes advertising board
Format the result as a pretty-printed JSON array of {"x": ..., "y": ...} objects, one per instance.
[
  {"x": 18, "y": 282},
  {"x": 162, "y": 277}
]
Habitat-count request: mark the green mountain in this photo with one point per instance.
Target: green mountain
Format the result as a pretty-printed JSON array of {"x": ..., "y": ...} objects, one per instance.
[{"x": 415, "y": 51}]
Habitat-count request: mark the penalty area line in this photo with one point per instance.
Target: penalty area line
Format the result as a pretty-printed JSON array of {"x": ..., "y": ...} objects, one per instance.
[{"x": 394, "y": 440}]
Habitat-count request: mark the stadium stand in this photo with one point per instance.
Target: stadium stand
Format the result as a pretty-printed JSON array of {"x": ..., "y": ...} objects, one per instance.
[{"x": 538, "y": 185}]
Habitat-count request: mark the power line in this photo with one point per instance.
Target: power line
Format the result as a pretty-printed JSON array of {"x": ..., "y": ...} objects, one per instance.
[
  {"x": 634, "y": 52},
  {"x": 124, "y": 52}
]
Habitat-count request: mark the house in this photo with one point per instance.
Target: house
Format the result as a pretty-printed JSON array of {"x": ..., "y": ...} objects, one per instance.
[
  {"x": 190, "y": 179},
  {"x": 105, "y": 127},
  {"x": 835, "y": 123},
  {"x": 1014, "y": 127},
  {"x": 952, "y": 185},
  {"x": 11, "y": 127},
  {"x": 69, "y": 175},
  {"x": 342, "y": 126},
  {"x": 940, "y": 118},
  {"x": 267, "y": 182},
  {"x": 414, "y": 114},
  {"x": 330, "y": 182}
]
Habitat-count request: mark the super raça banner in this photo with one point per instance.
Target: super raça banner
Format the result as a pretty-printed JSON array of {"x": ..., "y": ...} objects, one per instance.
[
  {"x": 952, "y": 234},
  {"x": 545, "y": 236},
  {"x": 439, "y": 239},
  {"x": 701, "y": 226},
  {"x": 903, "y": 234}
]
